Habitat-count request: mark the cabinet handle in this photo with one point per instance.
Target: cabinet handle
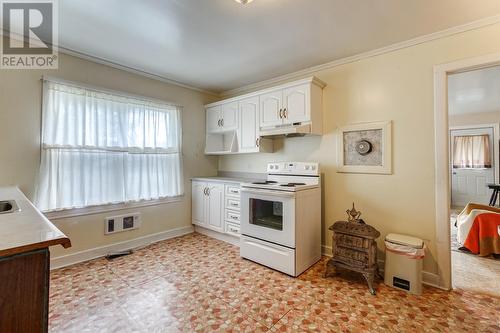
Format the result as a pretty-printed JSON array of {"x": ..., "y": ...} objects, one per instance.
[
  {"x": 285, "y": 113},
  {"x": 205, "y": 191},
  {"x": 281, "y": 113},
  {"x": 222, "y": 122},
  {"x": 208, "y": 191},
  {"x": 257, "y": 142},
  {"x": 218, "y": 123}
]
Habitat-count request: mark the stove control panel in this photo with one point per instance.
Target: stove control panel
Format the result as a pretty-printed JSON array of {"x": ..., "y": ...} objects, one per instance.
[{"x": 293, "y": 168}]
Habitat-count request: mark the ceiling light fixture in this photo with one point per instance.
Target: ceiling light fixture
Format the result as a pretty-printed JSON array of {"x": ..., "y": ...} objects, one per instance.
[{"x": 243, "y": 2}]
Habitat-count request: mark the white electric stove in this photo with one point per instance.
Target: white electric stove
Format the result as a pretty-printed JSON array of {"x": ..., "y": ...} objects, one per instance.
[{"x": 281, "y": 217}]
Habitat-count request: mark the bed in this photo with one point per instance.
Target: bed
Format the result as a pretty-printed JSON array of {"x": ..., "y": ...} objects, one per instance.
[{"x": 479, "y": 229}]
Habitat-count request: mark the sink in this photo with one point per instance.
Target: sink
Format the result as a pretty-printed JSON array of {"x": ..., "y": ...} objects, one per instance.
[{"x": 8, "y": 206}]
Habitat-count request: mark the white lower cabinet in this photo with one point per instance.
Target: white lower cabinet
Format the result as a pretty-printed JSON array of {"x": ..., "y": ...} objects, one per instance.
[
  {"x": 198, "y": 203},
  {"x": 215, "y": 206},
  {"x": 208, "y": 205},
  {"x": 215, "y": 195}
]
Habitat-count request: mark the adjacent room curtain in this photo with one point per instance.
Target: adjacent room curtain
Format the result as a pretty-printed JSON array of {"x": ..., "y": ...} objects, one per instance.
[
  {"x": 101, "y": 147},
  {"x": 471, "y": 151}
]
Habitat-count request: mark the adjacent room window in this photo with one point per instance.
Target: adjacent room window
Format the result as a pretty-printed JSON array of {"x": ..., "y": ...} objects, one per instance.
[
  {"x": 101, "y": 147},
  {"x": 471, "y": 151}
]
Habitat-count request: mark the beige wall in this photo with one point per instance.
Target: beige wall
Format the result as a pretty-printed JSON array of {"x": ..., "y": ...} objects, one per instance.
[
  {"x": 396, "y": 86},
  {"x": 20, "y": 107},
  {"x": 474, "y": 118}
]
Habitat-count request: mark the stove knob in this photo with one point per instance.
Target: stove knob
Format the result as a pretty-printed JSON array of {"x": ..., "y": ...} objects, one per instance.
[
  {"x": 313, "y": 167},
  {"x": 307, "y": 167},
  {"x": 271, "y": 167}
]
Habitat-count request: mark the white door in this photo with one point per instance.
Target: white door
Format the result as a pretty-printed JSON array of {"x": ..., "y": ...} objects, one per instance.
[
  {"x": 295, "y": 104},
  {"x": 467, "y": 184},
  {"x": 214, "y": 119},
  {"x": 229, "y": 118},
  {"x": 249, "y": 125},
  {"x": 271, "y": 109},
  {"x": 215, "y": 207},
  {"x": 268, "y": 215},
  {"x": 198, "y": 203}
]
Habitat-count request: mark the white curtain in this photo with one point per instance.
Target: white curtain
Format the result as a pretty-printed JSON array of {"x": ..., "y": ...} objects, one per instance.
[
  {"x": 100, "y": 147},
  {"x": 471, "y": 151}
]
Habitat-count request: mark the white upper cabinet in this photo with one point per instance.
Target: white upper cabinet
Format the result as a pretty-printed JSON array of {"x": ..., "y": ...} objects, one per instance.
[
  {"x": 271, "y": 109},
  {"x": 296, "y": 106},
  {"x": 249, "y": 125},
  {"x": 249, "y": 121},
  {"x": 221, "y": 118},
  {"x": 229, "y": 116},
  {"x": 213, "y": 118}
]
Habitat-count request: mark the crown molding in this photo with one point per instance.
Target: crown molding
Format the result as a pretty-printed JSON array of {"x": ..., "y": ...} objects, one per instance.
[
  {"x": 365, "y": 55},
  {"x": 133, "y": 70}
]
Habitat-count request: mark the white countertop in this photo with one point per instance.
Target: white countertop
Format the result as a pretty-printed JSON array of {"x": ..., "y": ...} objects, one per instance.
[
  {"x": 225, "y": 179},
  {"x": 27, "y": 229}
]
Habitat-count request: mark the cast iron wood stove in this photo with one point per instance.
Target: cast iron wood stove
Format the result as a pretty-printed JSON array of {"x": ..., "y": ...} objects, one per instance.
[{"x": 354, "y": 248}]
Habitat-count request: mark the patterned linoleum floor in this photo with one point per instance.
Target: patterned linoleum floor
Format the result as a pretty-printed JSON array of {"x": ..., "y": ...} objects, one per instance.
[{"x": 197, "y": 284}]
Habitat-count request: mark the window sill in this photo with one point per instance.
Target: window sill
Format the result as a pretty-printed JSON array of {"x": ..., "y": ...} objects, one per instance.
[{"x": 91, "y": 210}]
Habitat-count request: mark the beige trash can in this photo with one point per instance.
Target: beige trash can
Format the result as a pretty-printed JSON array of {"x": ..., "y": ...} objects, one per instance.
[{"x": 403, "y": 262}]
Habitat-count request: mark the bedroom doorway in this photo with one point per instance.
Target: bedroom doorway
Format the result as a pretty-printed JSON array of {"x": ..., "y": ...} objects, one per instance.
[{"x": 473, "y": 121}]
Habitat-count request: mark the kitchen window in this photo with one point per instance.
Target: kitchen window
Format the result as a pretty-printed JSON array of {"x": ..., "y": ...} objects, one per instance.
[
  {"x": 471, "y": 152},
  {"x": 103, "y": 147}
]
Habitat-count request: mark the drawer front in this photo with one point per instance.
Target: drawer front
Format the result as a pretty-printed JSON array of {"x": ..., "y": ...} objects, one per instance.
[
  {"x": 278, "y": 257},
  {"x": 233, "y": 190},
  {"x": 233, "y": 229},
  {"x": 233, "y": 203},
  {"x": 233, "y": 217}
]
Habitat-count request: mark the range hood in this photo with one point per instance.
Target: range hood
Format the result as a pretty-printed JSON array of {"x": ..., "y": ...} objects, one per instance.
[{"x": 288, "y": 130}]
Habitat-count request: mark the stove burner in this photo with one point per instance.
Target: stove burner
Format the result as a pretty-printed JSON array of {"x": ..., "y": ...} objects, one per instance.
[
  {"x": 292, "y": 184},
  {"x": 267, "y": 182}
]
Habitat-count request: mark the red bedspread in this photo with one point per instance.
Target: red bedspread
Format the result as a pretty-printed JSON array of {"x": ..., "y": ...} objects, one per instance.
[{"x": 483, "y": 237}]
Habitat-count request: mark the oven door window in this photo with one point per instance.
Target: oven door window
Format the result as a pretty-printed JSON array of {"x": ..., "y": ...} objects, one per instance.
[{"x": 267, "y": 214}]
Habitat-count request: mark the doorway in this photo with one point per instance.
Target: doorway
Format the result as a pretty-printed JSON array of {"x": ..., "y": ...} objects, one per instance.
[
  {"x": 442, "y": 181},
  {"x": 473, "y": 101}
]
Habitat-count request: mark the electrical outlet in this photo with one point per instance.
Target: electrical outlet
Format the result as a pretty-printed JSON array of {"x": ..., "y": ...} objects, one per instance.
[{"x": 114, "y": 224}]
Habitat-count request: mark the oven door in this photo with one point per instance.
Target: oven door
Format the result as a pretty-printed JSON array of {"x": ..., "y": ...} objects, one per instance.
[{"x": 268, "y": 215}]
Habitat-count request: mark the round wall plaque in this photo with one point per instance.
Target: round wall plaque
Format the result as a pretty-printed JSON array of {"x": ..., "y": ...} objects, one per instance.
[{"x": 363, "y": 147}]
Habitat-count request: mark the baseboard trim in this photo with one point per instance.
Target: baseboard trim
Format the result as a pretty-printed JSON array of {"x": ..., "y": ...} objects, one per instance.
[
  {"x": 428, "y": 278},
  {"x": 217, "y": 235},
  {"x": 101, "y": 251}
]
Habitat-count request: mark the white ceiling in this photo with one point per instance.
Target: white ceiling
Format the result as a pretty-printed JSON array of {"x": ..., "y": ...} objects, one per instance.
[
  {"x": 219, "y": 44},
  {"x": 474, "y": 92}
]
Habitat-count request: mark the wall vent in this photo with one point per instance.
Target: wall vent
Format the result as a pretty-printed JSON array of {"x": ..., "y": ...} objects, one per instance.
[{"x": 114, "y": 224}]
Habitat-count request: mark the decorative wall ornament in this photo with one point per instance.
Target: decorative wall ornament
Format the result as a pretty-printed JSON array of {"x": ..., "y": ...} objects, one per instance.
[{"x": 366, "y": 148}]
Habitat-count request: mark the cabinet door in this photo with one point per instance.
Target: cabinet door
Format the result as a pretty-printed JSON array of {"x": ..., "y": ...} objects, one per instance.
[
  {"x": 230, "y": 116},
  {"x": 270, "y": 107},
  {"x": 213, "y": 119},
  {"x": 249, "y": 124},
  {"x": 296, "y": 104},
  {"x": 215, "y": 207},
  {"x": 198, "y": 199}
]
